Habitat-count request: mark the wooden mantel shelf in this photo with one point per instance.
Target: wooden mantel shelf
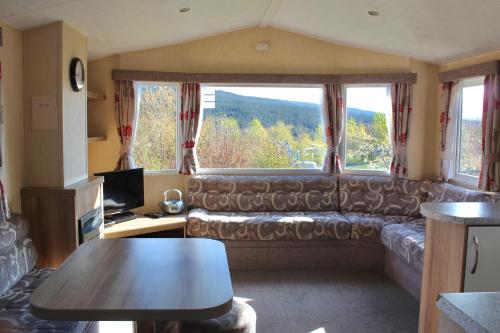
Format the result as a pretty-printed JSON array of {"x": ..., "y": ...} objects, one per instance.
[
  {"x": 91, "y": 139},
  {"x": 95, "y": 96}
]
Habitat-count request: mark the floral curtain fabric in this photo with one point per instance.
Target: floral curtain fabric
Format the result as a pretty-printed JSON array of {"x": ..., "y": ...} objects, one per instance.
[
  {"x": 402, "y": 106},
  {"x": 189, "y": 121},
  {"x": 334, "y": 123},
  {"x": 489, "y": 178},
  {"x": 448, "y": 124},
  {"x": 126, "y": 119},
  {"x": 4, "y": 208}
]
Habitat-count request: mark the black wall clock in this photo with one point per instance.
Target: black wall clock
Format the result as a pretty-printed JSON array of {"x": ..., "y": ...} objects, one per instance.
[{"x": 76, "y": 74}]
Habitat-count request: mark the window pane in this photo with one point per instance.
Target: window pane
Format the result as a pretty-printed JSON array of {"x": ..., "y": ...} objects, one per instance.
[
  {"x": 261, "y": 127},
  {"x": 368, "y": 145},
  {"x": 470, "y": 135},
  {"x": 155, "y": 142}
]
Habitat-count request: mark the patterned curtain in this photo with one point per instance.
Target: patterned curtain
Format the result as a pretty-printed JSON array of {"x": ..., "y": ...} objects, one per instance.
[
  {"x": 189, "y": 117},
  {"x": 489, "y": 178},
  {"x": 448, "y": 123},
  {"x": 334, "y": 123},
  {"x": 402, "y": 105},
  {"x": 125, "y": 122},
  {"x": 4, "y": 207}
]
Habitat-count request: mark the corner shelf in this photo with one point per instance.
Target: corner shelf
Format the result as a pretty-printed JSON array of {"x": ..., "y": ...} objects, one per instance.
[
  {"x": 92, "y": 139},
  {"x": 95, "y": 96}
]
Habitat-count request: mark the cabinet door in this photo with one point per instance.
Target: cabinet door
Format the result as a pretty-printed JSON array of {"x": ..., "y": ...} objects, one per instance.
[{"x": 482, "y": 269}]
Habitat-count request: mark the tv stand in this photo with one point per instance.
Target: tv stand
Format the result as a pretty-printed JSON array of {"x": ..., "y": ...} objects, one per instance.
[{"x": 119, "y": 217}]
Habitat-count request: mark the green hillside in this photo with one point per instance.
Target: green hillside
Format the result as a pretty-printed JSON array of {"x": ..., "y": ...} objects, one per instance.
[{"x": 269, "y": 111}]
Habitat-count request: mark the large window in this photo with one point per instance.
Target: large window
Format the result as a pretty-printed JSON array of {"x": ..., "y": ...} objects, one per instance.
[
  {"x": 366, "y": 143},
  {"x": 261, "y": 127},
  {"x": 470, "y": 110},
  {"x": 156, "y": 133}
]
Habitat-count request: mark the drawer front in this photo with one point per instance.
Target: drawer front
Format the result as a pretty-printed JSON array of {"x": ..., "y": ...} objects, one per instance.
[{"x": 482, "y": 269}]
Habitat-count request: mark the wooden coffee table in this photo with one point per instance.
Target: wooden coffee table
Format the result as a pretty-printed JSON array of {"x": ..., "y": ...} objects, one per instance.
[{"x": 144, "y": 280}]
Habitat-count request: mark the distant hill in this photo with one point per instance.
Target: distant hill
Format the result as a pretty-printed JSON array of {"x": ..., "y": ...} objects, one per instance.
[{"x": 270, "y": 111}]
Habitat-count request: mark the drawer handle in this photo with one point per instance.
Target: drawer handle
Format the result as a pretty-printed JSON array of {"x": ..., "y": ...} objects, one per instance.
[{"x": 475, "y": 241}]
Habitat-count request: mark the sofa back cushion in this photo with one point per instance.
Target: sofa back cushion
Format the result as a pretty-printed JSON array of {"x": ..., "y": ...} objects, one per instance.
[
  {"x": 382, "y": 195},
  {"x": 17, "y": 253},
  {"x": 444, "y": 192},
  {"x": 263, "y": 193}
]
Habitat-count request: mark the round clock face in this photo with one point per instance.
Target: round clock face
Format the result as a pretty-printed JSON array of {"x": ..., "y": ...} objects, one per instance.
[{"x": 77, "y": 74}]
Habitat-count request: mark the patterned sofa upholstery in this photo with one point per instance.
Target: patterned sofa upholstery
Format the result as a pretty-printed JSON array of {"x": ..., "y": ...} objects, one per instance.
[
  {"x": 282, "y": 208},
  {"x": 407, "y": 240},
  {"x": 18, "y": 280},
  {"x": 265, "y": 208}
]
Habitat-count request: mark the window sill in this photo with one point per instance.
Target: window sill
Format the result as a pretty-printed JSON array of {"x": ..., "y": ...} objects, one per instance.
[
  {"x": 160, "y": 173},
  {"x": 366, "y": 172},
  {"x": 261, "y": 172},
  {"x": 463, "y": 183}
]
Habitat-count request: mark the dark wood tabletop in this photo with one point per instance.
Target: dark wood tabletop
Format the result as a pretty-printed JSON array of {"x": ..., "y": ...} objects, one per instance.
[{"x": 138, "y": 279}]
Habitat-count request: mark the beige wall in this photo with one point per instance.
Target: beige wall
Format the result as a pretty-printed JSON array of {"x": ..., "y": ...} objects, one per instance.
[
  {"x": 235, "y": 53},
  {"x": 56, "y": 155},
  {"x": 11, "y": 57}
]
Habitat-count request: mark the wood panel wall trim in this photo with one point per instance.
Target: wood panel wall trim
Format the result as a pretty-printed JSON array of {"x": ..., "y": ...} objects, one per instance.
[
  {"x": 134, "y": 75},
  {"x": 491, "y": 67}
]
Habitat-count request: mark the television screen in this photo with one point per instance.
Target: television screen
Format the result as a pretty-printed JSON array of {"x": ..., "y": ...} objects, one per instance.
[{"x": 123, "y": 190}]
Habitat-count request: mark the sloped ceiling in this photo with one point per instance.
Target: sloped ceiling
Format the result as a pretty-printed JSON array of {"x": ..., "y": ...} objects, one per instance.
[{"x": 437, "y": 31}]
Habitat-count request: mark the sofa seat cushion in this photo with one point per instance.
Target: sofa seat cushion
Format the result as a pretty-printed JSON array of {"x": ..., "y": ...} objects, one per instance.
[
  {"x": 268, "y": 225},
  {"x": 18, "y": 296},
  {"x": 367, "y": 227},
  {"x": 407, "y": 241},
  {"x": 263, "y": 193},
  {"x": 381, "y": 195},
  {"x": 23, "y": 321}
]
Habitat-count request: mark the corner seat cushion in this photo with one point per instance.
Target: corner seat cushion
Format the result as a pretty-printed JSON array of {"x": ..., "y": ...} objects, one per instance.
[
  {"x": 406, "y": 240},
  {"x": 18, "y": 296},
  {"x": 23, "y": 321},
  {"x": 367, "y": 227},
  {"x": 268, "y": 225},
  {"x": 218, "y": 193},
  {"x": 444, "y": 192},
  {"x": 382, "y": 195}
]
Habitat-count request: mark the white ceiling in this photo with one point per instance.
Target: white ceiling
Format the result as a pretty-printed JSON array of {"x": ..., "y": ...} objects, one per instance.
[{"x": 433, "y": 30}]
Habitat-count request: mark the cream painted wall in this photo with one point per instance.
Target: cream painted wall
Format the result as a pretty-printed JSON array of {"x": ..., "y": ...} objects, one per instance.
[
  {"x": 11, "y": 57},
  {"x": 235, "y": 53}
]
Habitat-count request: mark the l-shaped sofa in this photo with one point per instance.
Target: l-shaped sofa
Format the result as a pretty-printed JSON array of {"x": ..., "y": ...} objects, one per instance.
[{"x": 320, "y": 221}]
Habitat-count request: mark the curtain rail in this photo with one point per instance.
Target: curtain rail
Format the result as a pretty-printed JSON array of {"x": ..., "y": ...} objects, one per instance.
[
  {"x": 134, "y": 75},
  {"x": 490, "y": 67}
]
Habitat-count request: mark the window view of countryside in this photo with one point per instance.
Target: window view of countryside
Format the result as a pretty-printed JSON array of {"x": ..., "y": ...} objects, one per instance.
[
  {"x": 242, "y": 131},
  {"x": 470, "y": 137}
]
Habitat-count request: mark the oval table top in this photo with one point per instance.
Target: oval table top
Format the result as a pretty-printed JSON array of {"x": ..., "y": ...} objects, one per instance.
[{"x": 141, "y": 279}]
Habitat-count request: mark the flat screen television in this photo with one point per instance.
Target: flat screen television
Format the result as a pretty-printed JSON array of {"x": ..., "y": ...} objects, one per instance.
[{"x": 123, "y": 190}]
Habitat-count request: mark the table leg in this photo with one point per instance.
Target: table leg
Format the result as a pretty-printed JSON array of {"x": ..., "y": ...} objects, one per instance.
[{"x": 145, "y": 327}]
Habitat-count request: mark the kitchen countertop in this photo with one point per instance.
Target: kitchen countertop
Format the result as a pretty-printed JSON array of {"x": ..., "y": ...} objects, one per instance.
[
  {"x": 468, "y": 213},
  {"x": 474, "y": 312}
]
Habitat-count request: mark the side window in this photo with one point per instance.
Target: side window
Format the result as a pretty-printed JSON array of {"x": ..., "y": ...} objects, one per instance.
[
  {"x": 469, "y": 126},
  {"x": 366, "y": 142},
  {"x": 156, "y": 133}
]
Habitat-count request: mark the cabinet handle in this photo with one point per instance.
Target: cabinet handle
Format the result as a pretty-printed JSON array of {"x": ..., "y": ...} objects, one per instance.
[{"x": 475, "y": 241}]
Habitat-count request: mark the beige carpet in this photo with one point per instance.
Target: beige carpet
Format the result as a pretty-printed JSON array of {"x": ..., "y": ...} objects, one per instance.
[{"x": 326, "y": 301}]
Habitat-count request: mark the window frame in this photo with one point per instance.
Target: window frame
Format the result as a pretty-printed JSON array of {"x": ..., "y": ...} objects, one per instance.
[
  {"x": 178, "y": 147},
  {"x": 263, "y": 171},
  {"x": 343, "y": 148},
  {"x": 457, "y": 177}
]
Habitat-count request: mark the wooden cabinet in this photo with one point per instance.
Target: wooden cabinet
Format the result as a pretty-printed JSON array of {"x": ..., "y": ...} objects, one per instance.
[
  {"x": 458, "y": 236},
  {"x": 53, "y": 215}
]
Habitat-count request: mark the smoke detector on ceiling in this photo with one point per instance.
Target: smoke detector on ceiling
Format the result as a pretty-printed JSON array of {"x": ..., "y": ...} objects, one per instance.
[{"x": 262, "y": 47}]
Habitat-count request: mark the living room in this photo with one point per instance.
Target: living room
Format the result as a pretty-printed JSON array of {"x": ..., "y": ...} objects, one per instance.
[{"x": 311, "y": 149}]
